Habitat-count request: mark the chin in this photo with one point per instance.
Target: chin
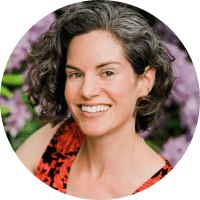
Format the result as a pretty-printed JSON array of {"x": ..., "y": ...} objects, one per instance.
[{"x": 93, "y": 129}]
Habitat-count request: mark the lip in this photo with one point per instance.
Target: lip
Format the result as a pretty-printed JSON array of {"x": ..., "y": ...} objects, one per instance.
[
  {"x": 93, "y": 115},
  {"x": 93, "y": 104}
]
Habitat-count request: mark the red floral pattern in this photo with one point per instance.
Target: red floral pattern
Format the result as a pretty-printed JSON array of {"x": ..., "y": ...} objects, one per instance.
[{"x": 54, "y": 166}]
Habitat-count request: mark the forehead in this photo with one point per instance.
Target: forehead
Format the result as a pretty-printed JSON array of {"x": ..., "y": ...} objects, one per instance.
[{"x": 93, "y": 48}]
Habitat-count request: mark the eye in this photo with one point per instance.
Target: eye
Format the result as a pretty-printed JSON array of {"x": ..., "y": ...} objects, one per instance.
[
  {"x": 75, "y": 75},
  {"x": 108, "y": 73}
]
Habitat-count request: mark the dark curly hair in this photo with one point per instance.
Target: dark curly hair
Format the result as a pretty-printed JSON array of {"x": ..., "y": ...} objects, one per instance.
[{"x": 142, "y": 45}]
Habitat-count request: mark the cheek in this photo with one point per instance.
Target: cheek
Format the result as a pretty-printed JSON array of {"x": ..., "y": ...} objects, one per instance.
[
  {"x": 117, "y": 92},
  {"x": 70, "y": 94},
  {"x": 123, "y": 88},
  {"x": 124, "y": 93}
]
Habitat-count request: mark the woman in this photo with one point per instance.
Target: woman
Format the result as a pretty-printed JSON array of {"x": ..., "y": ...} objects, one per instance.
[{"x": 110, "y": 69}]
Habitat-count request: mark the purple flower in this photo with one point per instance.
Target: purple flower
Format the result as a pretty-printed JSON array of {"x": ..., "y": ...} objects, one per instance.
[
  {"x": 19, "y": 53},
  {"x": 30, "y": 37},
  {"x": 41, "y": 27},
  {"x": 167, "y": 33},
  {"x": 190, "y": 113},
  {"x": 174, "y": 149},
  {"x": 19, "y": 114},
  {"x": 144, "y": 134},
  {"x": 186, "y": 88}
]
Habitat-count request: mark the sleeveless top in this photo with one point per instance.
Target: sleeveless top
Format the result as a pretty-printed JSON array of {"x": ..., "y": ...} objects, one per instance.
[{"x": 54, "y": 166}]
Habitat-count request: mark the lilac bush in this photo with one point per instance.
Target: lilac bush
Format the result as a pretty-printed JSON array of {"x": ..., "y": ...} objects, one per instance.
[
  {"x": 175, "y": 148},
  {"x": 31, "y": 36},
  {"x": 19, "y": 114},
  {"x": 185, "y": 93},
  {"x": 167, "y": 33},
  {"x": 186, "y": 88}
]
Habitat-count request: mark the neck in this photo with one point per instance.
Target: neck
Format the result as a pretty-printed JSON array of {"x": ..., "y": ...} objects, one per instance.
[{"x": 100, "y": 154}]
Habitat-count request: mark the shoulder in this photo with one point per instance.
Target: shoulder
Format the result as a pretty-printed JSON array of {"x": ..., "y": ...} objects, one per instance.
[
  {"x": 151, "y": 167},
  {"x": 32, "y": 149},
  {"x": 157, "y": 176}
]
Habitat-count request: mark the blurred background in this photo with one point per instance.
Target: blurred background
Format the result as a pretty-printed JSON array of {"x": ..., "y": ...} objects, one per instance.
[{"x": 175, "y": 131}]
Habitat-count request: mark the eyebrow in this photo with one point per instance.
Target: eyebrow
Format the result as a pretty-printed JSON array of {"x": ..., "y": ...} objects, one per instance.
[{"x": 97, "y": 67}]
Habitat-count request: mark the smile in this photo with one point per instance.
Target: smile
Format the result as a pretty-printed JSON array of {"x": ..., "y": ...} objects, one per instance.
[{"x": 95, "y": 109}]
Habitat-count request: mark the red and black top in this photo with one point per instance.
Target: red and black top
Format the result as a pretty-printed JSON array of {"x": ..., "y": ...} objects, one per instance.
[{"x": 54, "y": 166}]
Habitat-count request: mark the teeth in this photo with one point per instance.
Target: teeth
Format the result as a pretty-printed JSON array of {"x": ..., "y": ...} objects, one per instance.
[
  {"x": 98, "y": 108},
  {"x": 94, "y": 109},
  {"x": 89, "y": 109}
]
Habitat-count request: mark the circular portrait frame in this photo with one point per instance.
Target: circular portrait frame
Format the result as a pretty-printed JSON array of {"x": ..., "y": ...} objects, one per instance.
[{"x": 17, "y": 181}]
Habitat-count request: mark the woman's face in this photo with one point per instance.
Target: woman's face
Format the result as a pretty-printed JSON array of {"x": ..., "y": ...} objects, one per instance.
[{"x": 101, "y": 88}]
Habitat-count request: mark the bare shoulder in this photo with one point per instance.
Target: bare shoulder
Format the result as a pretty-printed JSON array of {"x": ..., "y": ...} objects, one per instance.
[
  {"x": 31, "y": 151},
  {"x": 154, "y": 161},
  {"x": 149, "y": 161}
]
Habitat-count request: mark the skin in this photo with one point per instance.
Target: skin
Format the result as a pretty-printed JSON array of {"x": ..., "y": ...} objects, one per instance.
[
  {"x": 98, "y": 73},
  {"x": 113, "y": 84}
]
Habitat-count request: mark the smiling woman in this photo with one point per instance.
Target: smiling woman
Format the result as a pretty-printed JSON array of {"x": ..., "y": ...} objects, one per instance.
[
  {"x": 90, "y": 88},
  {"x": 105, "y": 66}
]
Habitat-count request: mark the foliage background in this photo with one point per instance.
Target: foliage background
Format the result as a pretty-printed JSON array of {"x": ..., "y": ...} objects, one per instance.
[{"x": 171, "y": 138}]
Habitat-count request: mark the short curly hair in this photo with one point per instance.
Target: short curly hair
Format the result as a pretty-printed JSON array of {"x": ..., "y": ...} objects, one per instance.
[{"x": 142, "y": 46}]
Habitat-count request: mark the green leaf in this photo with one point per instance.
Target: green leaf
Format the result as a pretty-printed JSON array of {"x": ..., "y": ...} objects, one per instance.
[
  {"x": 8, "y": 62},
  {"x": 23, "y": 96},
  {"x": 6, "y": 92},
  {"x": 29, "y": 128},
  {"x": 25, "y": 101},
  {"x": 13, "y": 79},
  {"x": 4, "y": 110},
  {"x": 153, "y": 146},
  {"x": 20, "y": 70}
]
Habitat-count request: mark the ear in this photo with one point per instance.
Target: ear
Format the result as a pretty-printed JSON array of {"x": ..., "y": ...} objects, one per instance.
[{"x": 147, "y": 81}]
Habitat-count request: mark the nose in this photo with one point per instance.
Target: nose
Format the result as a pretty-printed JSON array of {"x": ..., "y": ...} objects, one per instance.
[{"x": 90, "y": 88}]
